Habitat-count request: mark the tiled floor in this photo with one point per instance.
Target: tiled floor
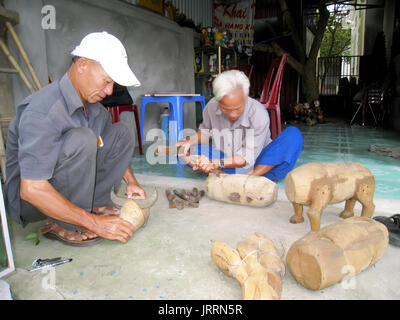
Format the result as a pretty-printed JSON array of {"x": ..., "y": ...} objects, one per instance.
[
  {"x": 169, "y": 258},
  {"x": 334, "y": 141},
  {"x": 342, "y": 143}
]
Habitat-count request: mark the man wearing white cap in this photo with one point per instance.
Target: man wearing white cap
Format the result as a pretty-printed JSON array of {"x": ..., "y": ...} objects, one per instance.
[{"x": 64, "y": 154}]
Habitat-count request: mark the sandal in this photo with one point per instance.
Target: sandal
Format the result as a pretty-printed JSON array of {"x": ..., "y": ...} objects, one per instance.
[
  {"x": 106, "y": 211},
  {"x": 54, "y": 232},
  {"x": 393, "y": 225}
]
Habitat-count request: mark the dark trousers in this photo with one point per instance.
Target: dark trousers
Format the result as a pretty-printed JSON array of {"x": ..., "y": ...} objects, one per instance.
[{"x": 86, "y": 173}]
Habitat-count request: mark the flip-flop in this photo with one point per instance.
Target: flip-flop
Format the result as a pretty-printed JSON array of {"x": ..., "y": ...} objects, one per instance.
[
  {"x": 49, "y": 232},
  {"x": 393, "y": 225}
]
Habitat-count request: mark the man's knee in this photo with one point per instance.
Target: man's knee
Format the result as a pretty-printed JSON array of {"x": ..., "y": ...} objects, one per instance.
[
  {"x": 291, "y": 136},
  {"x": 295, "y": 131},
  {"x": 126, "y": 132},
  {"x": 122, "y": 133}
]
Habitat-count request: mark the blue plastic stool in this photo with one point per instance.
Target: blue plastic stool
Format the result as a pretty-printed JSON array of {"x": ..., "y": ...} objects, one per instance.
[{"x": 175, "y": 110}]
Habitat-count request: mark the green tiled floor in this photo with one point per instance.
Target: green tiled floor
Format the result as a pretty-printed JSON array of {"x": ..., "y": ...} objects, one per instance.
[
  {"x": 335, "y": 141},
  {"x": 341, "y": 143}
]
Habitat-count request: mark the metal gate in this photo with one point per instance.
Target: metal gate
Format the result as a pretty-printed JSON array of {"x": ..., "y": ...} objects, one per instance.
[{"x": 333, "y": 71}]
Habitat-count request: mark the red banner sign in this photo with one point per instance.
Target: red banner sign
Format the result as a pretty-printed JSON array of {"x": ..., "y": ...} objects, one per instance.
[{"x": 236, "y": 18}]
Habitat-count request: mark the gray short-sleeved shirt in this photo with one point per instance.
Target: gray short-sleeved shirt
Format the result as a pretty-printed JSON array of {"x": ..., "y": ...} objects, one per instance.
[
  {"x": 246, "y": 137},
  {"x": 35, "y": 134}
]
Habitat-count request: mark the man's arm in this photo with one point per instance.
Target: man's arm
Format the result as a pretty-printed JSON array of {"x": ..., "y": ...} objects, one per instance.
[
  {"x": 206, "y": 165},
  {"x": 203, "y": 163},
  {"x": 42, "y": 195},
  {"x": 235, "y": 161},
  {"x": 197, "y": 138}
]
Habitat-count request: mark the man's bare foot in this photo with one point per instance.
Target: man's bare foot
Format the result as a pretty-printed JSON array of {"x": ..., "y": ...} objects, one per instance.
[{"x": 107, "y": 211}]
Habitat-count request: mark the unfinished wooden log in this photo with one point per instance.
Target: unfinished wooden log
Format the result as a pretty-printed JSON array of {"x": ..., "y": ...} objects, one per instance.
[
  {"x": 266, "y": 252},
  {"x": 259, "y": 276},
  {"x": 323, "y": 258},
  {"x": 259, "y": 251},
  {"x": 256, "y": 191},
  {"x": 229, "y": 261},
  {"x": 132, "y": 213},
  {"x": 317, "y": 184}
]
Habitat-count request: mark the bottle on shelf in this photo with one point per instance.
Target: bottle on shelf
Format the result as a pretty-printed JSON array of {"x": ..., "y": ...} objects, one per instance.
[{"x": 164, "y": 120}]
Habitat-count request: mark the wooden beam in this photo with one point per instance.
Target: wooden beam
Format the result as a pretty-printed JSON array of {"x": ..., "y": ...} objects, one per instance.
[
  {"x": 276, "y": 49},
  {"x": 8, "y": 70},
  {"x": 9, "y": 15},
  {"x": 24, "y": 55},
  {"x": 15, "y": 64}
]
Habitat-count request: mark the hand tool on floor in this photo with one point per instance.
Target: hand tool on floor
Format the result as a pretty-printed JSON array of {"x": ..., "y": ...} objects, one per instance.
[
  {"x": 39, "y": 264},
  {"x": 181, "y": 198},
  {"x": 151, "y": 198},
  {"x": 171, "y": 199}
]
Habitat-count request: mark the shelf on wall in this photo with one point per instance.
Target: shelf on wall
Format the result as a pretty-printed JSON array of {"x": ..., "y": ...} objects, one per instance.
[
  {"x": 211, "y": 50},
  {"x": 220, "y": 51},
  {"x": 206, "y": 74}
]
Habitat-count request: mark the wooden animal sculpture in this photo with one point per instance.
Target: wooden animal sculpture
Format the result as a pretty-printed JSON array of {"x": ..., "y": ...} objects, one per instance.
[
  {"x": 317, "y": 184},
  {"x": 339, "y": 250}
]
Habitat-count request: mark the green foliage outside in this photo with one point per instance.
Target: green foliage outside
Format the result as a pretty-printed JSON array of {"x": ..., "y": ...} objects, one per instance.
[{"x": 337, "y": 37}]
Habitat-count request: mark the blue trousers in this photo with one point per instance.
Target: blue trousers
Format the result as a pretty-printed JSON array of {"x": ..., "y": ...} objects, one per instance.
[{"x": 282, "y": 152}]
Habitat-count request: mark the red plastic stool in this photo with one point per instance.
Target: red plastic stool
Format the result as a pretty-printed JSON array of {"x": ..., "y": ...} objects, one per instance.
[{"x": 115, "y": 112}]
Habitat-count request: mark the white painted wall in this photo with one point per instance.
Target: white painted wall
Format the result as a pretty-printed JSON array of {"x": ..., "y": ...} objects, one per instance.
[{"x": 159, "y": 51}]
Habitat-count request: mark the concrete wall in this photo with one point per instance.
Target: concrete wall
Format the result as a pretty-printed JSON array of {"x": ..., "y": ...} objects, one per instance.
[
  {"x": 373, "y": 25},
  {"x": 6, "y": 96},
  {"x": 388, "y": 26},
  {"x": 159, "y": 51}
]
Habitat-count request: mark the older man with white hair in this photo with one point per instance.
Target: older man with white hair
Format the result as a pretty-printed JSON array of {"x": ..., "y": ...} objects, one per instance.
[{"x": 239, "y": 127}]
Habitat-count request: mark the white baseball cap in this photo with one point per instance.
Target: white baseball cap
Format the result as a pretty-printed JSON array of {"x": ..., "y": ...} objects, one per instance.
[{"x": 110, "y": 53}]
